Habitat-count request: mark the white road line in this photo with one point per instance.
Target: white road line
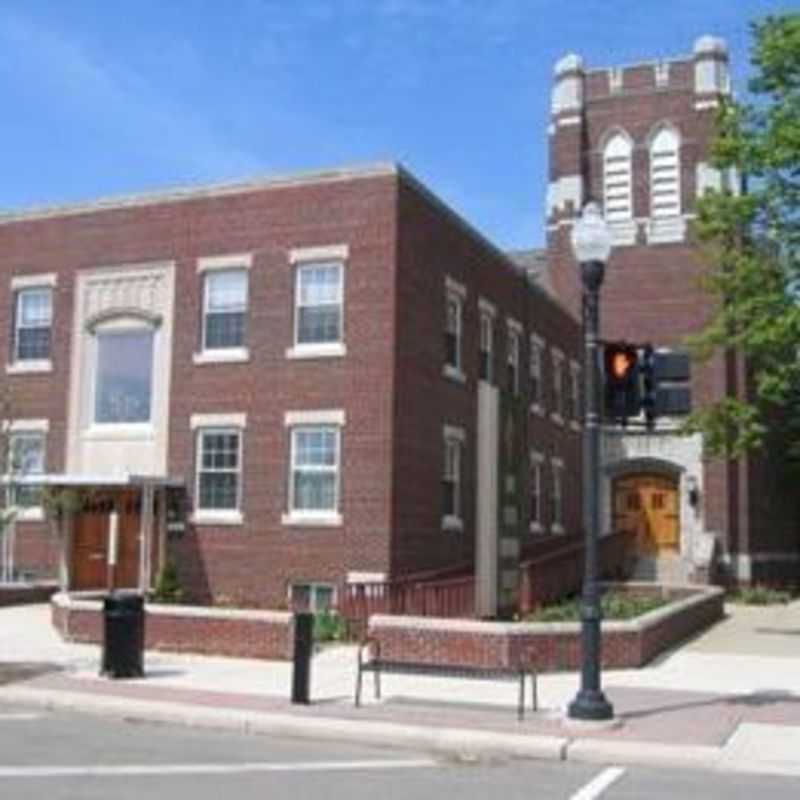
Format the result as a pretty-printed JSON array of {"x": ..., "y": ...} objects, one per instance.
[
  {"x": 20, "y": 717},
  {"x": 599, "y": 784},
  {"x": 112, "y": 770}
]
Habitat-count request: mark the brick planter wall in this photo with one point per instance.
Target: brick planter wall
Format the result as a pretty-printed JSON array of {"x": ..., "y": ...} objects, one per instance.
[
  {"x": 547, "y": 646},
  {"x": 209, "y": 631},
  {"x": 17, "y": 595}
]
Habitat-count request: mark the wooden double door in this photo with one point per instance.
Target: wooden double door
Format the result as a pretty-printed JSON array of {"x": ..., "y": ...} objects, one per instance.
[
  {"x": 91, "y": 542},
  {"x": 648, "y": 505}
]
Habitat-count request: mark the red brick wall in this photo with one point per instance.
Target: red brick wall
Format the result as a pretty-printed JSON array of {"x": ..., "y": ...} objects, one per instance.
[
  {"x": 237, "y": 634},
  {"x": 17, "y": 596},
  {"x": 546, "y": 646}
]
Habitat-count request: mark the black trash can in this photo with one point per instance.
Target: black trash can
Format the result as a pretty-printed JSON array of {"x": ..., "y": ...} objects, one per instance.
[{"x": 123, "y": 635}]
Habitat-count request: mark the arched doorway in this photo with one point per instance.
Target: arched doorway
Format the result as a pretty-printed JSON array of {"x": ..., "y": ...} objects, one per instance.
[{"x": 648, "y": 505}]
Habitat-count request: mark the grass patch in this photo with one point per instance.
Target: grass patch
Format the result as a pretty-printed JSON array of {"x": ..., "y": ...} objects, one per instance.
[
  {"x": 616, "y": 605},
  {"x": 329, "y": 627}
]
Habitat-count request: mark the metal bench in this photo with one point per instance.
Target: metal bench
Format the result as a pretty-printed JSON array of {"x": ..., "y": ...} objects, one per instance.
[{"x": 377, "y": 665}]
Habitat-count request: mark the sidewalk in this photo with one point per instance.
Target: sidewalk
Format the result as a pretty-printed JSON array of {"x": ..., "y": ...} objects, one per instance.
[{"x": 728, "y": 700}]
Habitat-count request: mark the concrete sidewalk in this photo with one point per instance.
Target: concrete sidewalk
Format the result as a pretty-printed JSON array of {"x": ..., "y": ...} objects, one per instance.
[{"x": 728, "y": 700}]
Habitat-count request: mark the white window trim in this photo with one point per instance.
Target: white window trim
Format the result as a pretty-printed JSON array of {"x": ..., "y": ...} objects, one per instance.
[
  {"x": 558, "y": 369},
  {"x": 23, "y": 367},
  {"x": 312, "y": 585},
  {"x": 514, "y": 329},
  {"x": 307, "y": 350},
  {"x": 224, "y": 420},
  {"x": 224, "y": 263},
  {"x": 452, "y": 286},
  {"x": 326, "y": 416},
  {"x": 305, "y": 517},
  {"x": 37, "y": 427},
  {"x": 537, "y": 345},
  {"x": 486, "y": 307},
  {"x": 537, "y": 459},
  {"x": 487, "y": 313},
  {"x": 26, "y": 426},
  {"x": 457, "y": 434},
  {"x": 218, "y": 516},
  {"x": 456, "y": 292},
  {"x": 219, "y": 355},
  {"x": 42, "y": 280},
  {"x": 328, "y": 252},
  {"x": 575, "y": 388},
  {"x": 557, "y": 466}
]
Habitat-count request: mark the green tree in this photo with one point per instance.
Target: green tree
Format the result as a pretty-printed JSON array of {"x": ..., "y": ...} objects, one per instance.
[{"x": 752, "y": 241}]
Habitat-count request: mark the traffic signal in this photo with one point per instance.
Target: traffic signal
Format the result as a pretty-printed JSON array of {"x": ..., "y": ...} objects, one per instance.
[{"x": 622, "y": 393}]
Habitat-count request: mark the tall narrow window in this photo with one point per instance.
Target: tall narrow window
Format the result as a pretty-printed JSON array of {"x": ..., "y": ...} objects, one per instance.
[
  {"x": 487, "y": 346},
  {"x": 558, "y": 496},
  {"x": 32, "y": 324},
  {"x": 26, "y": 455},
  {"x": 124, "y": 377},
  {"x": 665, "y": 188},
  {"x": 535, "y": 370},
  {"x": 318, "y": 303},
  {"x": 617, "y": 183},
  {"x": 536, "y": 493},
  {"x": 512, "y": 360},
  {"x": 314, "y": 487},
  {"x": 225, "y": 308},
  {"x": 452, "y": 332},
  {"x": 219, "y": 469},
  {"x": 558, "y": 385},
  {"x": 575, "y": 391},
  {"x": 451, "y": 479}
]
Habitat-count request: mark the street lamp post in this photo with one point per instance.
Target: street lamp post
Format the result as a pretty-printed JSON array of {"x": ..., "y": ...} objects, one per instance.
[{"x": 591, "y": 244}]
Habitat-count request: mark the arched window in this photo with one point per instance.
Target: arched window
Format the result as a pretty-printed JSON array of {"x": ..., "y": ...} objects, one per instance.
[
  {"x": 617, "y": 194},
  {"x": 665, "y": 174}
]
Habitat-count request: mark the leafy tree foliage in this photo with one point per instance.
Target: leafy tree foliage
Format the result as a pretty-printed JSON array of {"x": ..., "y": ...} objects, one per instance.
[{"x": 752, "y": 240}]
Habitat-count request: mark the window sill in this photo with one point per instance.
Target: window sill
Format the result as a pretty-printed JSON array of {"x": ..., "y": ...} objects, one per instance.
[
  {"x": 557, "y": 529},
  {"x": 28, "y": 367},
  {"x": 454, "y": 373},
  {"x": 33, "y": 514},
  {"x": 228, "y": 355},
  {"x": 320, "y": 520},
  {"x": 557, "y": 418},
  {"x": 537, "y": 409},
  {"x": 450, "y": 523},
  {"x": 536, "y": 527},
  {"x": 119, "y": 431},
  {"x": 332, "y": 350},
  {"x": 210, "y": 517}
]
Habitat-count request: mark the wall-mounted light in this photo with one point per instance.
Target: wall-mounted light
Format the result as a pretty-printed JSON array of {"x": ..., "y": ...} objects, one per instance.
[{"x": 693, "y": 491}]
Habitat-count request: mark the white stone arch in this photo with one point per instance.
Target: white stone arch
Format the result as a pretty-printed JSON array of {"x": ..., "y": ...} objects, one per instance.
[{"x": 616, "y": 149}]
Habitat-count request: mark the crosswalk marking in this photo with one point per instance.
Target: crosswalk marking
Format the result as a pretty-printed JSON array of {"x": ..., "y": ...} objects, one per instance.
[
  {"x": 117, "y": 770},
  {"x": 599, "y": 784}
]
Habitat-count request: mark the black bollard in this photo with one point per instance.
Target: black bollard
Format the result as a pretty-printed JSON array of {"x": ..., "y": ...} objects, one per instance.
[{"x": 303, "y": 646}]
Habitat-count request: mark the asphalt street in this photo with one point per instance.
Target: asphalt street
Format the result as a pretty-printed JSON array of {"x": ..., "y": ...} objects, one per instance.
[{"x": 73, "y": 757}]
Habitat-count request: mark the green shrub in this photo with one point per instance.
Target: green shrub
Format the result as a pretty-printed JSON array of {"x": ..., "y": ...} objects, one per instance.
[
  {"x": 616, "y": 605},
  {"x": 759, "y": 596},
  {"x": 168, "y": 585},
  {"x": 329, "y": 627}
]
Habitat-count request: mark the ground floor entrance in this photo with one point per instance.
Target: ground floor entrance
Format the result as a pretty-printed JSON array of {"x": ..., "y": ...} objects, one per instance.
[{"x": 647, "y": 505}]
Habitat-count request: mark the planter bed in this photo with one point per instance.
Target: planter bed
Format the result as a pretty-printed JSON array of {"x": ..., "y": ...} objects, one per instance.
[
  {"x": 240, "y": 633},
  {"x": 549, "y": 646},
  {"x": 18, "y": 594}
]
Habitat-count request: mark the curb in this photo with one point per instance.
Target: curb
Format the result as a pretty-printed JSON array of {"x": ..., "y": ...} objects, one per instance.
[{"x": 458, "y": 743}]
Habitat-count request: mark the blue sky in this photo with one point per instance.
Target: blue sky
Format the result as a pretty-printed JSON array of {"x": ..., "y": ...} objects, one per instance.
[{"x": 108, "y": 98}]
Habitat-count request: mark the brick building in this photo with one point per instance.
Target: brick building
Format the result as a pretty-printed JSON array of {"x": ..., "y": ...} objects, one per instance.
[
  {"x": 637, "y": 139},
  {"x": 283, "y": 386}
]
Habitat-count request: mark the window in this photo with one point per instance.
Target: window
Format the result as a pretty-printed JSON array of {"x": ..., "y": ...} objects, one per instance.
[
  {"x": 665, "y": 194},
  {"x": 312, "y": 596},
  {"x": 575, "y": 392},
  {"x": 219, "y": 459},
  {"x": 558, "y": 385},
  {"x": 617, "y": 193},
  {"x": 512, "y": 359},
  {"x": 124, "y": 377},
  {"x": 26, "y": 455},
  {"x": 224, "y": 309},
  {"x": 536, "y": 493},
  {"x": 558, "y": 496},
  {"x": 32, "y": 324},
  {"x": 536, "y": 373},
  {"x": 451, "y": 479},
  {"x": 314, "y": 481},
  {"x": 487, "y": 346},
  {"x": 452, "y": 333},
  {"x": 318, "y": 303}
]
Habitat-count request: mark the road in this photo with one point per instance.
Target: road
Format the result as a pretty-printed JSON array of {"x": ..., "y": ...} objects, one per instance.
[{"x": 72, "y": 757}]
